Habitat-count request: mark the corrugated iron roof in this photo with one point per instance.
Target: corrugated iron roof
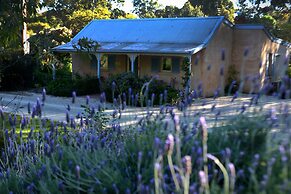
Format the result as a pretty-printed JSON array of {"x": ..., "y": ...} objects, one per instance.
[
  {"x": 262, "y": 27},
  {"x": 159, "y": 35}
]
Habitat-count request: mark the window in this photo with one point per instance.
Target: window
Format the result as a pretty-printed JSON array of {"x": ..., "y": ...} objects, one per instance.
[
  {"x": 166, "y": 64},
  {"x": 104, "y": 62},
  {"x": 270, "y": 65}
]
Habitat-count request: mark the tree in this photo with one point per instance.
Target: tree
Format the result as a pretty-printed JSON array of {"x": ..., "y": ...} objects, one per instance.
[
  {"x": 14, "y": 16},
  {"x": 186, "y": 11},
  {"x": 81, "y": 18},
  {"x": 276, "y": 15},
  {"x": 145, "y": 8},
  {"x": 168, "y": 12},
  {"x": 216, "y": 7}
]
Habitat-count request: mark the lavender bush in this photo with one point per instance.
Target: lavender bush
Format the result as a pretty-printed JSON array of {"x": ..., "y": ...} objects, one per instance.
[
  {"x": 162, "y": 153},
  {"x": 171, "y": 149}
]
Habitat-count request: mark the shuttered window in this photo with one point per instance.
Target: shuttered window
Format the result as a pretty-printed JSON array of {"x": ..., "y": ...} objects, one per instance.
[
  {"x": 156, "y": 64},
  {"x": 111, "y": 62},
  {"x": 176, "y": 65}
]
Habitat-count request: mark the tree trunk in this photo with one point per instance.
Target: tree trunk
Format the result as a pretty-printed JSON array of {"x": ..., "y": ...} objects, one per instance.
[{"x": 25, "y": 43}]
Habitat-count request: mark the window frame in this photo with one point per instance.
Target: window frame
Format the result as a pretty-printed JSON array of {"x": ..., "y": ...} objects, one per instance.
[{"x": 162, "y": 64}]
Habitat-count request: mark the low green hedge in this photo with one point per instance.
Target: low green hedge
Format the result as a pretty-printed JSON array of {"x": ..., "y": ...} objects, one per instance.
[{"x": 65, "y": 86}]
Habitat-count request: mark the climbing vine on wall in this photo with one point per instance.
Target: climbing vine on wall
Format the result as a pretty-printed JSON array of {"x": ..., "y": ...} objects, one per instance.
[{"x": 187, "y": 73}]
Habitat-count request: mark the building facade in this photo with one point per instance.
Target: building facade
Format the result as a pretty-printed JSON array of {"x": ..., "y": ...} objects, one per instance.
[{"x": 210, "y": 46}]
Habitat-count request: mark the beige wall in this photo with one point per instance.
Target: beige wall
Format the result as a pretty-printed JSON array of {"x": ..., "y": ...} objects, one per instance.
[
  {"x": 82, "y": 65},
  {"x": 210, "y": 78},
  {"x": 255, "y": 63}
]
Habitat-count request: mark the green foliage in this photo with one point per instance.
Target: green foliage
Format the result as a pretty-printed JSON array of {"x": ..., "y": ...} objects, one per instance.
[
  {"x": 232, "y": 76},
  {"x": 187, "y": 73},
  {"x": 80, "y": 18},
  {"x": 145, "y": 8},
  {"x": 98, "y": 119},
  {"x": 114, "y": 160},
  {"x": 159, "y": 87},
  {"x": 64, "y": 86},
  {"x": 289, "y": 71},
  {"x": 242, "y": 134},
  {"x": 129, "y": 81},
  {"x": 217, "y": 7},
  {"x": 13, "y": 14},
  {"x": 275, "y": 16},
  {"x": 269, "y": 21},
  {"x": 16, "y": 71},
  {"x": 122, "y": 83},
  {"x": 186, "y": 11},
  {"x": 86, "y": 44}
]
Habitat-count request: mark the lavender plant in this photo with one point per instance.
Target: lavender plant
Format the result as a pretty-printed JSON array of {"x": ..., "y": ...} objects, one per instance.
[{"x": 172, "y": 150}]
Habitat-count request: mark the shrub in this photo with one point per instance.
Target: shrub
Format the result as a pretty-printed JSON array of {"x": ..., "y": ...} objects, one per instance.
[
  {"x": 120, "y": 84},
  {"x": 66, "y": 85},
  {"x": 231, "y": 81},
  {"x": 16, "y": 71},
  {"x": 158, "y": 88},
  {"x": 63, "y": 159}
]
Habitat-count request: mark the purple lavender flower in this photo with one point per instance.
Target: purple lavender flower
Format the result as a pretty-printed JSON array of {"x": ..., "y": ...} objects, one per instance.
[
  {"x": 102, "y": 98},
  {"x": 187, "y": 164},
  {"x": 87, "y": 100},
  {"x": 23, "y": 122},
  {"x": 202, "y": 177},
  {"x": 67, "y": 116},
  {"x": 169, "y": 145},
  {"x": 61, "y": 186},
  {"x": 28, "y": 108},
  {"x": 165, "y": 96},
  {"x": 113, "y": 86},
  {"x": 161, "y": 98},
  {"x": 157, "y": 143},
  {"x": 234, "y": 96},
  {"x": 11, "y": 123},
  {"x": 43, "y": 95},
  {"x": 153, "y": 98},
  {"x": 74, "y": 97},
  {"x": 77, "y": 170}
]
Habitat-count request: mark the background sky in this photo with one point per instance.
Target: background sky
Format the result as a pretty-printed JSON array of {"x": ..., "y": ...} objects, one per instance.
[{"x": 179, "y": 3}]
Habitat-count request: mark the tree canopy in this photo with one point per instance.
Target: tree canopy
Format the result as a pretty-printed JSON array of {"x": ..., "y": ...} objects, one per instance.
[
  {"x": 274, "y": 14},
  {"x": 216, "y": 7}
]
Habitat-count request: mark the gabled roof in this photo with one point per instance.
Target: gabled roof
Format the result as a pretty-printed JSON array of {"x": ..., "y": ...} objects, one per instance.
[
  {"x": 159, "y": 35},
  {"x": 262, "y": 27}
]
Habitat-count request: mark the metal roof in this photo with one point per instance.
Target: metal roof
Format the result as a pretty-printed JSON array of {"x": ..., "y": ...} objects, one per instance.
[
  {"x": 262, "y": 27},
  {"x": 159, "y": 35}
]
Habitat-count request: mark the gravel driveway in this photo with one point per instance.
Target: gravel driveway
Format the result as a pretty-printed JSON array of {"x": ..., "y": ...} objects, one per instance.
[{"x": 55, "y": 107}]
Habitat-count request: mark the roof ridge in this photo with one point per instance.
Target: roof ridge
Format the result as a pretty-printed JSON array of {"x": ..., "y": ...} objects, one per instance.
[{"x": 156, "y": 19}]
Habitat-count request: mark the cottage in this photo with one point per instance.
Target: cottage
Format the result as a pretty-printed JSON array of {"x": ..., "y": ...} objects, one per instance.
[{"x": 160, "y": 47}]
